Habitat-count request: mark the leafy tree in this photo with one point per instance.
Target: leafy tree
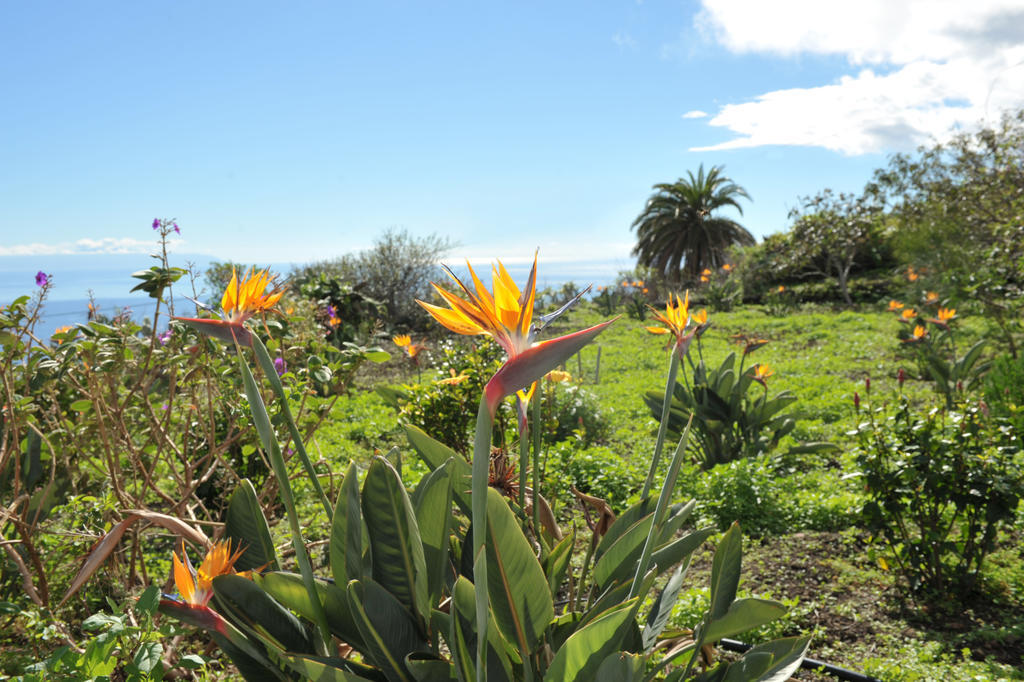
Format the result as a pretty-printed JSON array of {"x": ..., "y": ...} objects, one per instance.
[
  {"x": 959, "y": 212},
  {"x": 678, "y": 234},
  {"x": 834, "y": 232},
  {"x": 397, "y": 270}
]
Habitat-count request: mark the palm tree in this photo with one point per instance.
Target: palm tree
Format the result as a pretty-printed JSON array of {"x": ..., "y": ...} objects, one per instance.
[{"x": 677, "y": 233}]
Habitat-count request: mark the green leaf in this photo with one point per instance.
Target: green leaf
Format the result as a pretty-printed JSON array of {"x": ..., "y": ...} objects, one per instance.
[
  {"x": 388, "y": 629},
  {"x": 556, "y": 563},
  {"x": 463, "y": 635},
  {"x": 399, "y": 565},
  {"x": 584, "y": 652},
  {"x": 622, "y": 524},
  {"x": 774, "y": 661},
  {"x": 619, "y": 560},
  {"x": 429, "y": 668},
  {"x": 621, "y": 667},
  {"x": 81, "y": 405},
  {"x": 324, "y": 669},
  {"x": 662, "y": 609},
  {"x": 148, "y": 656},
  {"x": 434, "y": 455},
  {"x": 743, "y": 615},
  {"x": 346, "y": 548},
  {"x": 246, "y": 525},
  {"x": 432, "y": 500},
  {"x": 725, "y": 572},
  {"x": 517, "y": 589},
  {"x": 251, "y": 606},
  {"x": 148, "y": 600},
  {"x": 289, "y": 590},
  {"x": 680, "y": 550}
]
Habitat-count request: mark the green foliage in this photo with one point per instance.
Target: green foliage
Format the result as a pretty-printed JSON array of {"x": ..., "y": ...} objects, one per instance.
[
  {"x": 721, "y": 290},
  {"x": 1004, "y": 390},
  {"x": 125, "y": 644},
  {"x": 733, "y": 417},
  {"x": 940, "y": 487},
  {"x": 954, "y": 376},
  {"x": 346, "y": 314},
  {"x": 395, "y": 271},
  {"x": 758, "y": 494}
]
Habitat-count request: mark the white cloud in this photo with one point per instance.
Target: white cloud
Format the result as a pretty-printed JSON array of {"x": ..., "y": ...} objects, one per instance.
[
  {"x": 924, "y": 68},
  {"x": 696, "y": 113},
  {"x": 85, "y": 246}
]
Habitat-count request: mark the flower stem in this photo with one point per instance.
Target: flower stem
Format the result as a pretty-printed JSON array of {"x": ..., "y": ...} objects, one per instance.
[
  {"x": 481, "y": 465},
  {"x": 670, "y": 385},
  {"x": 664, "y": 499}
]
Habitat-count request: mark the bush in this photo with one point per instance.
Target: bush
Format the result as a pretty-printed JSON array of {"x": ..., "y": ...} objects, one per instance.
[
  {"x": 1004, "y": 390},
  {"x": 396, "y": 270},
  {"x": 940, "y": 488}
]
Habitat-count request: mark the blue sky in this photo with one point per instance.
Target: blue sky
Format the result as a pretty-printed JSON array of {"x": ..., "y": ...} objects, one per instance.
[{"x": 298, "y": 131}]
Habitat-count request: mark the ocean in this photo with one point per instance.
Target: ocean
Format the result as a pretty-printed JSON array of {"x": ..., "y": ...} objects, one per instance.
[{"x": 109, "y": 279}]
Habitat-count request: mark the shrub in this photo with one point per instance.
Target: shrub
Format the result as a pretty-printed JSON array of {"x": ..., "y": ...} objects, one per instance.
[
  {"x": 940, "y": 487},
  {"x": 1004, "y": 390}
]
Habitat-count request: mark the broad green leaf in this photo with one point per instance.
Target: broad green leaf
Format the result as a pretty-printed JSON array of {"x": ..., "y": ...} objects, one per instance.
[
  {"x": 147, "y": 657},
  {"x": 556, "y": 563},
  {"x": 743, "y": 615},
  {"x": 619, "y": 560},
  {"x": 324, "y": 669},
  {"x": 432, "y": 501},
  {"x": 774, "y": 661},
  {"x": 398, "y": 562},
  {"x": 671, "y": 554},
  {"x": 584, "y": 652},
  {"x": 249, "y": 605},
  {"x": 289, "y": 590},
  {"x": 463, "y": 634},
  {"x": 251, "y": 662},
  {"x": 622, "y": 524},
  {"x": 662, "y": 608},
  {"x": 429, "y": 668},
  {"x": 347, "y": 531},
  {"x": 621, "y": 667},
  {"x": 725, "y": 571},
  {"x": 517, "y": 589},
  {"x": 246, "y": 525},
  {"x": 389, "y": 631},
  {"x": 434, "y": 455}
]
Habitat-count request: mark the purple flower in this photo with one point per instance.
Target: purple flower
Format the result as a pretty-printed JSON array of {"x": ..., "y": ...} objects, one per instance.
[
  {"x": 164, "y": 338},
  {"x": 280, "y": 365},
  {"x": 42, "y": 279},
  {"x": 331, "y": 312},
  {"x": 156, "y": 223},
  {"x": 176, "y": 229}
]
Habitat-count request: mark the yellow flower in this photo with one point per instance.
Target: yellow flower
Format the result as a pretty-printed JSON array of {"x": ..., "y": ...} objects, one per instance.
[
  {"x": 945, "y": 315},
  {"x": 919, "y": 333},
  {"x": 911, "y": 275},
  {"x": 402, "y": 340},
  {"x": 705, "y": 278},
  {"x": 413, "y": 349},
  {"x": 196, "y": 585},
  {"x": 706, "y": 271},
  {"x": 644, "y": 290},
  {"x": 244, "y": 299},
  {"x": 506, "y": 315},
  {"x": 931, "y": 297},
  {"x": 908, "y": 314},
  {"x": 762, "y": 372},
  {"x": 895, "y": 305},
  {"x": 727, "y": 267},
  {"x": 700, "y": 317},
  {"x": 676, "y": 319},
  {"x": 558, "y": 376},
  {"x": 454, "y": 379},
  {"x": 781, "y": 289}
]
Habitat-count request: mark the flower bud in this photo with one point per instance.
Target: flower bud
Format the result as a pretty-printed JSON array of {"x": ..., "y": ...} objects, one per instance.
[
  {"x": 901, "y": 376},
  {"x": 856, "y": 401},
  {"x": 867, "y": 385}
]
